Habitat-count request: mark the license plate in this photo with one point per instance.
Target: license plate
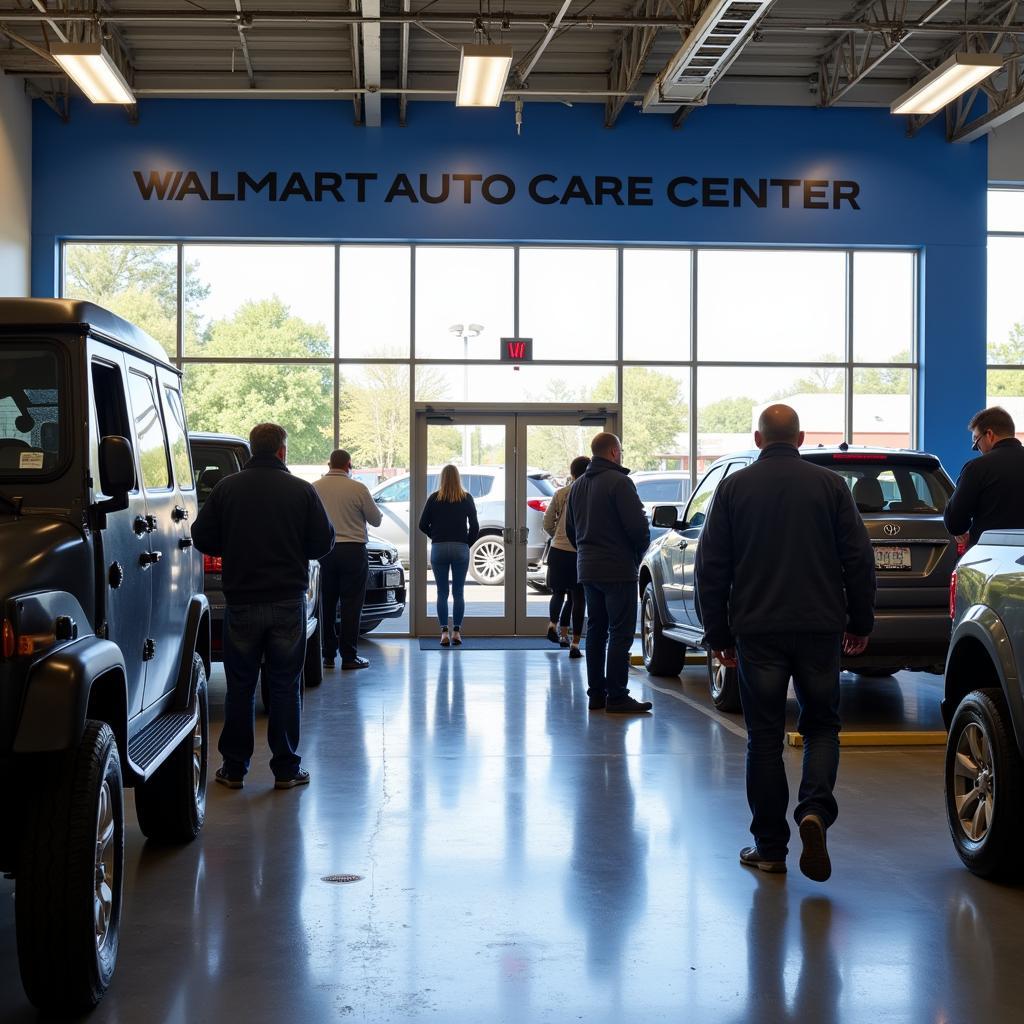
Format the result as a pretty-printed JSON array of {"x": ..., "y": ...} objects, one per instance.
[
  {"x": 892, "y": 558},
  {"x": 393, "y": 578},
  {"x": 390, "y": 594}
]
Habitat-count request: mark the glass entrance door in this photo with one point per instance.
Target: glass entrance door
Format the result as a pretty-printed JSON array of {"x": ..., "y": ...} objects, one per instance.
[{"x": 512, "y": 463}]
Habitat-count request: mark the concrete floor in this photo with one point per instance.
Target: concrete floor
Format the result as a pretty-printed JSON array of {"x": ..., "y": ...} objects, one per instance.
[{"x": 525, "y": 860}]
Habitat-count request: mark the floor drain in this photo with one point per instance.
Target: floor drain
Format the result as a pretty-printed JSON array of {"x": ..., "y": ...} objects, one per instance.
[{"x": 342, "y": 879}]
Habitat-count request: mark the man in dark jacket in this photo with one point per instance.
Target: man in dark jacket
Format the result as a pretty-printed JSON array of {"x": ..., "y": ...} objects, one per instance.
[
  {"x": 786, "y": 582},
  {"x": 990, "y": 492},
  {"x": 606, "y": 524},
  {"x": 266, "y": 525}
]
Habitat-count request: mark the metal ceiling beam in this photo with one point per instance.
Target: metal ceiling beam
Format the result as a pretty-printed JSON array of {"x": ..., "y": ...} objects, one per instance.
[
  {"x": 630, "y": 57},
  {"x": 529, "y": 62},
  {"x": 403, "y": 71},
  {"x": 853, "y": 58},
  {"x": 357, "y": 77},
  {"x": 371, "y": 63},
  {"x": 243, "y": 26}
]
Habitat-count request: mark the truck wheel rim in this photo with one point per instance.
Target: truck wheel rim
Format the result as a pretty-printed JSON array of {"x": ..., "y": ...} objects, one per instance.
[
  {"x": 647, "y": 627},
  {"x": 197, "y": 759},
  {"x": 489, "y": 561},
  {"x": 974, "y": 782},
  {"x": 718, "y": 671},
  {"x": 104, "y": 881}
]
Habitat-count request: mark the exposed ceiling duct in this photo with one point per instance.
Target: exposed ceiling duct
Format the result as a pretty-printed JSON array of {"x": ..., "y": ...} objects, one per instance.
[{"x": 713, "y": 43}]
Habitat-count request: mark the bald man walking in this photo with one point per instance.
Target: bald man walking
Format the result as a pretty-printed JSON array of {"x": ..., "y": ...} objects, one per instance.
[{"x": 785, "y": 583}]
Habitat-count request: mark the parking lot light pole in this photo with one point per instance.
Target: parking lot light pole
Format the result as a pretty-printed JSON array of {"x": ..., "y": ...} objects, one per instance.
[{"x": 465, "y": 332}]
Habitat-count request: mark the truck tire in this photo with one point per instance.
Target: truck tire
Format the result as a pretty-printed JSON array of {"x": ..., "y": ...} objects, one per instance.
[
  {"x": 984, "y": 785},
  {"x": 71, "y": 876},
  {"x": 487, "y": 560},
  {"x": 662, "y": 656},
  {"x": 171, "y": 806},
  {"x": 723, "y": 685},
  {"x": 313, "y": 666}
]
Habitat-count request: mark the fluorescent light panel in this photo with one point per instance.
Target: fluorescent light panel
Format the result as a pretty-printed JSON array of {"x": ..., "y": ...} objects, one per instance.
[
  {"x": 89, "y": 66},
  {"x": 952, "y": 78},
  {"x": 483, "y": 71}
]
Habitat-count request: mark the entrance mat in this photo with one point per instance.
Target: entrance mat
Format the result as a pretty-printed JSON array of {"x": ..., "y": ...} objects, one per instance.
[{"x": 495, "y": 643}]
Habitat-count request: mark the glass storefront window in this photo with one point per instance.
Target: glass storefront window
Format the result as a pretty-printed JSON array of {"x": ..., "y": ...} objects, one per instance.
[
  {"x": 656, "y": 417},
  {"x": 656, "y": 304},
  {"x": 883, "y": 407},
  {"x": 883, "y": 307},
  {"x": 374, "y": 301},
  {"x": 508, "y": 383}
]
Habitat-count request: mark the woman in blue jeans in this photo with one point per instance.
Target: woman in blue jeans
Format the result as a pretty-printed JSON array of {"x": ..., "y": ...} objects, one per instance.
[{"x": 449, "y": 520}]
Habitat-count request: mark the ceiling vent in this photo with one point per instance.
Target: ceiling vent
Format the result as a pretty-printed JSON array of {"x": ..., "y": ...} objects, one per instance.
[{"x": 714, "y": 43}]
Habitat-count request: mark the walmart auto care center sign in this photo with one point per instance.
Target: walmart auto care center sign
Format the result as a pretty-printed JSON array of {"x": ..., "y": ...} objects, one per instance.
[{"x": 161, "y": 185}]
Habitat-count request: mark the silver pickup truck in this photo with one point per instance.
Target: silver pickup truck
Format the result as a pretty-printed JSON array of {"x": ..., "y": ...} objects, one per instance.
[{"x": 983, "y": 705}]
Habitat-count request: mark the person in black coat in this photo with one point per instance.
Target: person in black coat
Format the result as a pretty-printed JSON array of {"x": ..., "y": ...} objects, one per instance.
[
  {"x": 989, "y": 494},
  {"x": 785, "y": 577},
  {"x": 449, "y": 519},
  {"x": 267, "y": 525},
  {"x": 605, "y": 523}
]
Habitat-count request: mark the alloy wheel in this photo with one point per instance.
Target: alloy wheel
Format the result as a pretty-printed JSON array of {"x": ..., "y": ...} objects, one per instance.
[
  {"x": 489, "y": 561},
  {"x": 104, "y": 881},
  {"x": 718, "y": 671},
  {"x": 974, "y": 782},
  {"x": 647, "y": 629}
]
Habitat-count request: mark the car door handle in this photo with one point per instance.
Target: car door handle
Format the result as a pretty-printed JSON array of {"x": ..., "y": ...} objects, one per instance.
[
  {"x": 148, "y": 558},
  {"x": 185, "y": 542},
  {"x": 179, "y": 513}
]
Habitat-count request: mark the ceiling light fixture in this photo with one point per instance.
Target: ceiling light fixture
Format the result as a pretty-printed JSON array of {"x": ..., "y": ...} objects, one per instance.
[
  {"x": 952, "y": 78},
  {"x": 483, "y": 71},
  {"x": 91, "y": 68}
]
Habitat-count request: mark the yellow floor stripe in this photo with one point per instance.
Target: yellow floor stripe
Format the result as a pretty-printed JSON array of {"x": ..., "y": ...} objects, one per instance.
[{"x": 922, "y": 738}]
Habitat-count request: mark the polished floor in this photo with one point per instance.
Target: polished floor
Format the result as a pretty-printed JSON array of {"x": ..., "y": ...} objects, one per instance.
[{"x": 524, "y": 860}]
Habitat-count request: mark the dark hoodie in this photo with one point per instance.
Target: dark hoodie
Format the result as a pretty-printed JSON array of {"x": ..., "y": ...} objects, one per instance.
[{"x": 606, "y": 524}]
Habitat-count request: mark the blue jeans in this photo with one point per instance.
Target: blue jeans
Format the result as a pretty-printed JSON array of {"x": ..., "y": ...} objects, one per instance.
[
  {"x": 273, "y": 635},
  {"x": 766, "y": 664},
  {"x": 611, "y": 623},
  {"x": 450, "y": 556}
]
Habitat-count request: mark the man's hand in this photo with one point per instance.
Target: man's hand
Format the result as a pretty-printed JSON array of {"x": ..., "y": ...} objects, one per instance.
[
  {"x": 853, "y": 644},
  {"x": 963, "y": 541},
  {"x": 728, "y": 657}
]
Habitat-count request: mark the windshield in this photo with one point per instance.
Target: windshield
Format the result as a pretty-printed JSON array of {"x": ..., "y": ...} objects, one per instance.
[
  {"x": 30, "y": 401},
  {"x": 893, "y": 488}
]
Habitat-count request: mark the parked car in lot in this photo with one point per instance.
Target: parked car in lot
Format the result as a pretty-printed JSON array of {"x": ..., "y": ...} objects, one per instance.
[
  {"x": 900, "y": 495},
  {"x": 487, "y": 485},
  {"x": 661, "y": 488},
  {"x": 983, "y": 705},
  {"x": 218, "y": 455},
  {"x": 105, "y": 631}
]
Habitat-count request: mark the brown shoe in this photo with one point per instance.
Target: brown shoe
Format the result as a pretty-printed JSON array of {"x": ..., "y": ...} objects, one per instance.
[{"x": 814, "y": 861}]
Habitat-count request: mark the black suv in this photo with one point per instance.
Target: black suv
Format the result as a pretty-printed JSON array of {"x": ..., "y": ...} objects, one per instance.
[
  {"x": 900, "y": 495},
  {"x": 216, "y": 456},
  {"x": 106, "y": 631}
]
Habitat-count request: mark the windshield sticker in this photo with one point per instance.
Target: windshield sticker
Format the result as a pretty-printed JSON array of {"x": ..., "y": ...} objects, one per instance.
[{"x": 30, "y": 460}]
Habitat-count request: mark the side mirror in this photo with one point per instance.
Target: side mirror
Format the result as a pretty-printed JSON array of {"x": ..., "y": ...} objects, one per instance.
[
  {"x": 666, "y": 517},
  {"x": 117, "y": 472}
]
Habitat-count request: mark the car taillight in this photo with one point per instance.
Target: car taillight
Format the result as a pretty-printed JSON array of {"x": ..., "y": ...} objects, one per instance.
[
  {"x": 952, "y": 595},
  {"x": 213, "y": 563},
  {"x": 961, "y": 546},
  {"x": 538, "y": 504}
]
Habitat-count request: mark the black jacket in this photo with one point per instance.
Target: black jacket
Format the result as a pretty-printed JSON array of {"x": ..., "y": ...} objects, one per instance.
[
  {"x": 605, "y": 523},
  {"x": 990, "y": 492},
  {"x": 451, "y": 521},
  {"x": 784, "y": 550},
  {"x": 267, "y": 525}
]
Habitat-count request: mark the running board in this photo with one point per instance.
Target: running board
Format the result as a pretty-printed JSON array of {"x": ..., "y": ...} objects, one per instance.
[{"x": 156, "y": 742}]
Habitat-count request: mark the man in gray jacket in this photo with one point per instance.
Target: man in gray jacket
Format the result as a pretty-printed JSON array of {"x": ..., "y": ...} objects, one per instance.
[
  {"x": 343, "y": 572},
  {"x": 606, "y": 524}
]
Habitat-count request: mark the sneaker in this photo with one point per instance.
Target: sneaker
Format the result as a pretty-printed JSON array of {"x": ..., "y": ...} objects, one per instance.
[
  {"x": 629, "y": 706},
  {"x": 575, "y": 652},
  {"x": 300, "y": 778},
  {"x": 356, "y": 662},
  {"x": 328, "y": 663},
  {"x": 553, "y": 634},
  {"x": 597, "y": 702},
  {"x": 225, "y": 780},
  {"x": 750, "y": 858},
  {"x": 814, "y": 860},
  {"x": 563, "y": 641}
]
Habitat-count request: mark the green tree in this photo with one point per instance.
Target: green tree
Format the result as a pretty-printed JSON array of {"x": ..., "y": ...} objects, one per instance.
[
  {"x": 1007, "y": 383},
  {"x": 655, "y": 411},
  {"x": 727, "y": 416},
  {"x": 138, "y": 282},
  {"x": 232, "y": 397}
]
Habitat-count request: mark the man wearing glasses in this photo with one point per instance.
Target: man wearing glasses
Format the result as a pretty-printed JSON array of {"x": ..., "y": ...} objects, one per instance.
[{"x": 990, "y": 492}]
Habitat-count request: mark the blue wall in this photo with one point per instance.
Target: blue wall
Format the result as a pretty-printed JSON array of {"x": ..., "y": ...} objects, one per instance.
[{"x": 920, "y": 192}]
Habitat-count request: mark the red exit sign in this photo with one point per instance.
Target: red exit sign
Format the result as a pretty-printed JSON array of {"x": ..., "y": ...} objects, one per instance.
[{"x": 516, "y": 350}]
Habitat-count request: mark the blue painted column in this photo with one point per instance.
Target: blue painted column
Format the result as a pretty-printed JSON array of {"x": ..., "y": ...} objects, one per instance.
[{"x": 951, "y": 387}]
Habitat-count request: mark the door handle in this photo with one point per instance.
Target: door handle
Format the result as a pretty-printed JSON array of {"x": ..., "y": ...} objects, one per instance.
[
  {"x": 185, "y": 542},
  {"x": 524, "y": 534},
  {"x": 148, "y": 558},
  {"x": 506, "y": 534},
  {"x": 179, "y": 513}
]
